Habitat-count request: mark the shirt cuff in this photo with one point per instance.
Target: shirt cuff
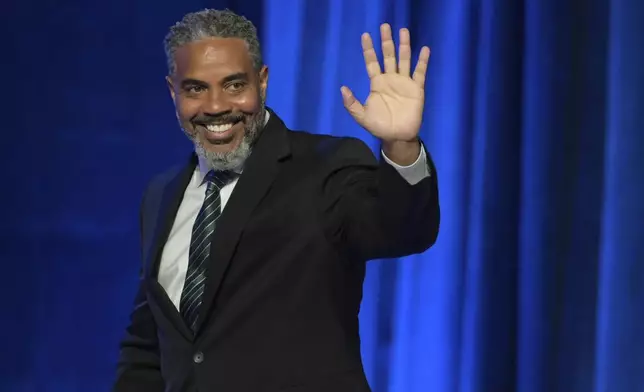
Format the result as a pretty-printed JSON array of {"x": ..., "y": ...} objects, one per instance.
[{"x": 415, "y": 172}]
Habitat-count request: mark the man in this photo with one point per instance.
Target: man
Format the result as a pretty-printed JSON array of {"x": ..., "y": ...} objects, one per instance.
[{"x": 254, "y": 251}]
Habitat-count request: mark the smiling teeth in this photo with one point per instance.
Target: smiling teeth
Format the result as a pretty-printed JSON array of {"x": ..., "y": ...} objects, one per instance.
[{"x": 219, "y": 128}]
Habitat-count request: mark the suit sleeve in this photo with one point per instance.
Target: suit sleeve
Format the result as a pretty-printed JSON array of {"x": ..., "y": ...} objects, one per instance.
[
  {"x": 138, "y": 367},
  {"x": 370, "y": 211}
]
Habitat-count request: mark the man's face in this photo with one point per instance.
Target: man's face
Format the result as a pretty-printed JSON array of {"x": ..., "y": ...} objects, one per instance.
[{"x": 219, "y": 97}]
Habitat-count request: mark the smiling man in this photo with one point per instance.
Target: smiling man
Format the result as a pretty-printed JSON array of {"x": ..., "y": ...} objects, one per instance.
[
  {"x": 219, "y": 92},
  {"x": 254, "y": 250}
]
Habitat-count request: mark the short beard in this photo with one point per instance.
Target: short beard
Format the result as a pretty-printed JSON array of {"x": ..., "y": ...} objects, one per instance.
[{"x": 233, "y": 160}]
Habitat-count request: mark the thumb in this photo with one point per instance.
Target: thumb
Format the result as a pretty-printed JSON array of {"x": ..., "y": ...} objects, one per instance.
[{"x": 352, "y": 105}]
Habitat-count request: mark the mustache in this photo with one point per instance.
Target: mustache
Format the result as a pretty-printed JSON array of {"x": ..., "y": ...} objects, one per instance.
[{"x": 207, "y": 119}]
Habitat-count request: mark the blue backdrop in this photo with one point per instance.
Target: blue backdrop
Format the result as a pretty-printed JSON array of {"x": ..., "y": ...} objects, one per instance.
[{"x": 535, "y": 117}]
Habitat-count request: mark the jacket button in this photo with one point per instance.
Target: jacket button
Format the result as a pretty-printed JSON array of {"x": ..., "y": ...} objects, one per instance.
[{"x": 198, "y": 357}]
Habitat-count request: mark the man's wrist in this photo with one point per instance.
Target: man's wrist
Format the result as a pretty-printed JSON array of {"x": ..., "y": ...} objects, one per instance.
[{"x": 403, "y": 153}]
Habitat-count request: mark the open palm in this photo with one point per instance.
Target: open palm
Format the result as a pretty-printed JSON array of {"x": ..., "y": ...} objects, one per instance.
[{"x": 393, "y": 110}]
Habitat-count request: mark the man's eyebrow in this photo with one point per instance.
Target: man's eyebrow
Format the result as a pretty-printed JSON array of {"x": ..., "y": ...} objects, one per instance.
[
  {"x": 235, "y": 76},
  {"x": 192, "y": 82}
]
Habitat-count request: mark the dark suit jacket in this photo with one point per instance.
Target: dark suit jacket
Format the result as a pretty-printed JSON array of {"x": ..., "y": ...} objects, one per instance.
[{"x": 288, "y": 261}]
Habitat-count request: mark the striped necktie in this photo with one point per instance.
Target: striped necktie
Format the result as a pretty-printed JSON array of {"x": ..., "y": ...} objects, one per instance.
[{"x": 202, "y": 234}]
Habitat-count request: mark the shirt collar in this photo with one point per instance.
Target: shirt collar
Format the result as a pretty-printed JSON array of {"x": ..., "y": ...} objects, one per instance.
[{"x": 202, "y": 167}]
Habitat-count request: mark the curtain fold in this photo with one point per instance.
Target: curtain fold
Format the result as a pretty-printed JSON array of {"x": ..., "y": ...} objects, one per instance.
[{"x": 533, "y": 119}]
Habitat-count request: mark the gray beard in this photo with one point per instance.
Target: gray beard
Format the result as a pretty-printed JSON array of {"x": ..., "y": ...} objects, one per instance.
[{"x": 232, "y": 160}]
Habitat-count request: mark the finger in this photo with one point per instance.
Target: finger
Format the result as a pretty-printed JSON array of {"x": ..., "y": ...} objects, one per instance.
[
  {"x": 404, "y": 53},
  {"x": 354, "y": 106},
  {"x": 421, "y": 66},
  {"x": 388, "y": 48},
  {"x": 370, "y": 58}
]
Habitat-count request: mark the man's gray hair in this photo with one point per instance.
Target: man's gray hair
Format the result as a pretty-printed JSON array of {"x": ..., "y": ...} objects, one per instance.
[{"x": 211, "y": 23}]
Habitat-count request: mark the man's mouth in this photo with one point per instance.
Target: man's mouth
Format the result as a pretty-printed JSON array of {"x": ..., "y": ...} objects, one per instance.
[
  {"x": 219, "y": 128},
  {"x": 218, "y": 133}
]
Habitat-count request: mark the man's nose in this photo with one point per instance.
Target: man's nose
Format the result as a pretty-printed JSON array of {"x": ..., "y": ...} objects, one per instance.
[{"x": 216, "y": 102}]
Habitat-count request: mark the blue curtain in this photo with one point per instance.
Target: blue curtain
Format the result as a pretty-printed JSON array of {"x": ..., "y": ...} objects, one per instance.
[{"x": 534, "y": 116}]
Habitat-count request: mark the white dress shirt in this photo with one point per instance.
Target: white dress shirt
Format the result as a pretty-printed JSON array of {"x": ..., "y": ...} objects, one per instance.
[{"x": 174, "y": 259}]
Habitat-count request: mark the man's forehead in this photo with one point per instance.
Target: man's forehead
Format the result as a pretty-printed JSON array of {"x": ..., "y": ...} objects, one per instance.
[{"x": 213, "y": 50}]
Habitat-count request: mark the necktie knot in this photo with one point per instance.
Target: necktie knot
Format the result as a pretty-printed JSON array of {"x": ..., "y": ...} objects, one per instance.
[{"x": 217, "y": 179}]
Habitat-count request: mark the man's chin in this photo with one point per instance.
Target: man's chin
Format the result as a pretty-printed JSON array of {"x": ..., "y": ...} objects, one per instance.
[
  {"x": 220, "y": 149},
  {"x": 220, "y": 146},
  {"x": 223, "y": 157}
]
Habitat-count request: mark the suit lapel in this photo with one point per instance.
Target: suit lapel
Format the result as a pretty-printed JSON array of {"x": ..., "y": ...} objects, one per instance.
[
  {"x": 170, "y": 200},
  {"x": 260, "y": 170}
]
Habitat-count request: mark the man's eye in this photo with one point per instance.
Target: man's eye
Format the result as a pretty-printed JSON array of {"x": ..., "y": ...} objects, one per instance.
[
  {"x": 195, "y": 89},
  {"x": 236, "y": 86}
]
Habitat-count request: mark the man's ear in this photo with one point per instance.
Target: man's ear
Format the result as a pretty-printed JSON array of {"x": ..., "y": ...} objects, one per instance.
[
  {"x": 263, "y": 80},
  {"x": 170, "y": 85}
]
